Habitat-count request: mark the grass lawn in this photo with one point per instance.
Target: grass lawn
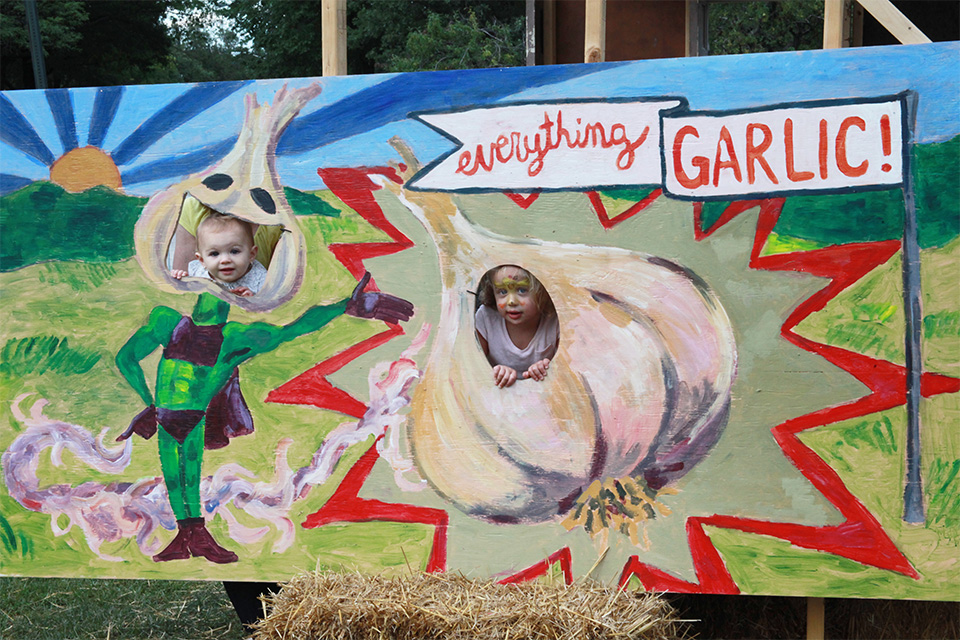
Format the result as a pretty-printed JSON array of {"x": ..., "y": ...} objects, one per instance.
[{"x": 67, "y": 609}]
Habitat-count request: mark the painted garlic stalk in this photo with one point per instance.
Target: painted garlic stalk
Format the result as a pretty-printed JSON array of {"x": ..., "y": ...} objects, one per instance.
[{"x": 640, "y": 385}]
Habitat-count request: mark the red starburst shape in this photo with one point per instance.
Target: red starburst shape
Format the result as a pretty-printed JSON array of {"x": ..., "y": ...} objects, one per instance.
[
  {"x": 860, "y": 537},
  {"x": 355, "y": 188}
]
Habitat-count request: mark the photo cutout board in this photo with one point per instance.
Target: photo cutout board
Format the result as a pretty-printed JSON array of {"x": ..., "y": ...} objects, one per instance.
[{"x": 688, "y": 325}]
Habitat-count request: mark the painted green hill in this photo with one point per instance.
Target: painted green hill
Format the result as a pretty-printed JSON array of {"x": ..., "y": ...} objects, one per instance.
[{"x": 44, "y": 222}]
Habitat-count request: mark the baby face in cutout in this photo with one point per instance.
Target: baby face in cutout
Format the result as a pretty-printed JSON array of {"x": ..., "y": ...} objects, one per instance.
[{"x": 225, "y": 247}]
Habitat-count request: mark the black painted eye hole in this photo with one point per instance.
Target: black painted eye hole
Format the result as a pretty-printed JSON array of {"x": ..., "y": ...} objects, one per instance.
[
  {"x": 218, "y": 181},
  {"x": 263, "y": 199}
]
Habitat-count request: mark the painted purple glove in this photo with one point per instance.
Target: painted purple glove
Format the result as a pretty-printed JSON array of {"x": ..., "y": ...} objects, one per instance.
[
  {"x": 376, "y": 305},
  {"x": 144, "y": 424}
]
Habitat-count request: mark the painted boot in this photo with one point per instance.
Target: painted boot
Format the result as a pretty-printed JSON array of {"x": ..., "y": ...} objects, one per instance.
[
  {"x": 202, "y": 545},
  {"x": 179, "y": 547}
]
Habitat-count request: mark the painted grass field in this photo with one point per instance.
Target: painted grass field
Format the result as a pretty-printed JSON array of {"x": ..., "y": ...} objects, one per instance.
[{"x": 867, "y": 453}]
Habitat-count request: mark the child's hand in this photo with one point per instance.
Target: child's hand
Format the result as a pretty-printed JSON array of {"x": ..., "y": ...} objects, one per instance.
[
  {"x": 178, "y": 273},
  {"x": 242, "y": 291},
  {"x": 504, "y": 376},
  {"x": 538, "y": 370}
]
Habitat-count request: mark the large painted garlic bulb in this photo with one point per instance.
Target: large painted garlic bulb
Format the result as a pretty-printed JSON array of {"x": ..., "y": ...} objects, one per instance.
[
  {"x": 639, "y": 386},
  {"x": 244, "y": 184}
]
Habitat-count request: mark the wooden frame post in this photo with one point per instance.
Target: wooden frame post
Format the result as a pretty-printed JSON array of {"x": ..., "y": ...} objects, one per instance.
[
  {"x": 36, "y": 44},
  {"x": 834, "y": 21},
  {"x": 695, "y": 43},
  {"x": 815, "y": 619},
  {"x": 595, "y": 31},
  {"x": 333, "y": 26},
  {"x": 530, "y": 33},
  {"x": 549, "y": 31},
  {"x": 836, "y": 34}
]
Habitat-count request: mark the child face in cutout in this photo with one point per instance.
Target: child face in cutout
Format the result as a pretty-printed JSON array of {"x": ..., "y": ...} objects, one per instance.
[
  {"x": 515, "y": 302},
  {"x": 226, "y": 251}
]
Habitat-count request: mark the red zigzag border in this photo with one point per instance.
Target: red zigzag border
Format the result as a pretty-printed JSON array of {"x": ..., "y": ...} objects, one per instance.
[{"x": 860, "y": 537}]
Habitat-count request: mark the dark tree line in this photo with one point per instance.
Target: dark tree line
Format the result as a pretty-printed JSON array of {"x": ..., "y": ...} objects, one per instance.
[
  {"x": 111, "y": 42},
  {"x": 85, "y": 43}
]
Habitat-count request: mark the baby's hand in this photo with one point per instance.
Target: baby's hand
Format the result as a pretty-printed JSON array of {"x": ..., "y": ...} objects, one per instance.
[
  {"x": 178, "y": 273},
  {"x": 504, "y": 376},
  {"x": 538, "y": 370},
  {"x": 242, "y": 291}
]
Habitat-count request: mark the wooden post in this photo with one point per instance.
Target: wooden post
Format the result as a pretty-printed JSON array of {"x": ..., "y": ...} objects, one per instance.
[
  {"x": 549, "y": 31},
  {"x": 833, "y": 22},
  {"x": 815, "y": 619},
  {"x": 856, "y": 36},
  {"x": 530, "y": 33},
  {"x": 696, "y": 27},
  {"x": 595, "y": 31},
  {"x": 36, "y": 45},
  {"x": 333, "y": 21},
  {"x": 835, "y": 36}
]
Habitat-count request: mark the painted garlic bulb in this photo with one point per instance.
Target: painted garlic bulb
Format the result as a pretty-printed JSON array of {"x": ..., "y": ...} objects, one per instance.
[
  {"x": 244, "y": 184},
  {"x": 640, "y": 384}
]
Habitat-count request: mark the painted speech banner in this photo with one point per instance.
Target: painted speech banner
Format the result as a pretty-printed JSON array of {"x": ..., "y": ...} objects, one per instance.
[{"x": 255, "y": 328}]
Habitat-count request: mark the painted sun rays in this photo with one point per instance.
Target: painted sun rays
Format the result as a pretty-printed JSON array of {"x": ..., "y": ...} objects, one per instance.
[
  {"x": 381, "y": 104},
  {"x": 20, "y": 134}
]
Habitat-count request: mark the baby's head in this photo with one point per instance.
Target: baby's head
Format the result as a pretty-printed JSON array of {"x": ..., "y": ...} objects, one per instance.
[
  {"x": 225, "y": 246},
  {"x": 497, "y": 283}
]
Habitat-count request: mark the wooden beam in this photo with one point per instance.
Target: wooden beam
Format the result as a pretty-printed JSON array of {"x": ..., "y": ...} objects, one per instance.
[
  {"x": 595, "y": 31},
  {"x": 856, "y": 36},
  {"x": 333, "y": 27},
  {"x": 694, "y": 31},
  {"x": 833, "y": 21},
  {"x": 815, "y": 619},
  {"x": 549, "y": 31},
  {"x": 530, "y": 33},
  {"x": 894, "y": 21}
]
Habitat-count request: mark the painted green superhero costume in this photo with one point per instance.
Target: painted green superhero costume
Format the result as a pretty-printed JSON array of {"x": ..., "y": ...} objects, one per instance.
[{"x": 198, "y": 403}]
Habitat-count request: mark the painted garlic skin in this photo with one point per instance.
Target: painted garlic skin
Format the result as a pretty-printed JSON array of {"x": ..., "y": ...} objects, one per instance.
[
  {"x": 640, "y": 384},
  {"x": 244, "y": 184}
]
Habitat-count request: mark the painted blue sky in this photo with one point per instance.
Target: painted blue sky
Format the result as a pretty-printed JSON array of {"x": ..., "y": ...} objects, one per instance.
[{"x": 159, "y": 133}]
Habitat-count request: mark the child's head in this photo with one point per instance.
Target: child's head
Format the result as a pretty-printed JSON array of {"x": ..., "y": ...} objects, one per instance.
[
  {"x": 225, "y": 246},
  {"x": 515, "y": 293}
]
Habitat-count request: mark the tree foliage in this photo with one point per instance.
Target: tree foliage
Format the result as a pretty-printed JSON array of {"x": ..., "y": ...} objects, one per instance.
[
  {"x": 106, "y": 42},
  {"x": 205, "y": 46},
  {"x": 755, "y": 27},
  {"x": 103, "y": 42},
  {"x": 383, "y": 35},
  {"x": 59, "y": 22},
  {"x": 284, "y": 37},
  {"x": 461, "y": 43},
  {"x": 407, "y": 35}
]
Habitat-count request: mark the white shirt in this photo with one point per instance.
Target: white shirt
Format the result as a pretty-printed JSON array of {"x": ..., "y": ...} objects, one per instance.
[
  {"x": 252, "y": 279},
  {"x": 493, "y": 328}
]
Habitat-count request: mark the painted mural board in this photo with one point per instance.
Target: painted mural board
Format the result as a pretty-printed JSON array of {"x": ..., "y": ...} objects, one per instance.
[{"x": 725, "y": 406}]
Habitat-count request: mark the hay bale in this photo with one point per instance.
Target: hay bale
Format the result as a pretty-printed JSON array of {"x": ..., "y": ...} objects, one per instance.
[{"x": 447, "y": 606}]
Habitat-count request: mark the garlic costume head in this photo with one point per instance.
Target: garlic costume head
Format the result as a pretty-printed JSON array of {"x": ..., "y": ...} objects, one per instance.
[{"x": 244, "y": 184}]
